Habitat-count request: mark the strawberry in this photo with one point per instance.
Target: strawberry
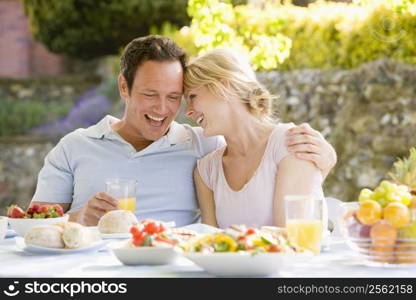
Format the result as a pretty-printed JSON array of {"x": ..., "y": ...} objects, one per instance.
[
  {"x": 44, "y": 209},
  {"x": 15, "y": 212},
  {"x": 36, "y": 208},
  {"x": 58, "y": 209},
  {"x": 30, "y": 211}
]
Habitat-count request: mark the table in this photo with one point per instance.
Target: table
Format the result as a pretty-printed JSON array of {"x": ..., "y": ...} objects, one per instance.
[{"x": 338, "y": 261}]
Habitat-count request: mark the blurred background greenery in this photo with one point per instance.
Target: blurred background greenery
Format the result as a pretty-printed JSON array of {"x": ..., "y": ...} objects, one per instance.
[{"x": 274, "y": 34}]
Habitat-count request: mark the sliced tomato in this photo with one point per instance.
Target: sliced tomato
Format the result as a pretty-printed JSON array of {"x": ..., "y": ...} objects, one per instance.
[
  {"x": 250, "y": 231},
  {"x": 151, "y": 228},
  {"x": 163, "y": 240},
  {"x": 273, "y": 248},
  {"x": 137, "y": 241},
  {"x": 134, "y": 230},
  {"x": 162, "y": 228}
]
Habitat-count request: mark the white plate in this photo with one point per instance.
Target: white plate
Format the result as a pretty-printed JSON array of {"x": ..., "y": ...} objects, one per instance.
[
  {"x": 20, "y": 243},
  {"x": 10, "y": 233},
  {"x": 21, "y": 226},
  {"x": 114, "y": 236},
  {"x": 201, "y": 228},
  {"x": 244, "y": 264},
  {"x": 127, "y": 235},
  {"x": 144, "y": 255}
]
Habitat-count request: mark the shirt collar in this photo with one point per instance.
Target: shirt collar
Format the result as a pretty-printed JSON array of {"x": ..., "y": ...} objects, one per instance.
[
  {"x": 102, "y": 128},
  {"x": 177, "y": 133}
]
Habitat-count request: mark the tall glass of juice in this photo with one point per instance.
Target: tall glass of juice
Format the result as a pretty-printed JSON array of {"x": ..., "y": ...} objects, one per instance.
[
  {"x": 304, "y": 221},
  {"x": 124, "y": 190}
]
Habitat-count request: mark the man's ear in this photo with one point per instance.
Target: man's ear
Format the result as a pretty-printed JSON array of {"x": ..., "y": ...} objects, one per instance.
[{"x": 122, "y": 87}]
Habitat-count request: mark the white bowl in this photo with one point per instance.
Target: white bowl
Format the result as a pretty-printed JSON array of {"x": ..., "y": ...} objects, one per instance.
[
  {"x": 245, "y": 264},
  {"x": 3, "y": 227},
  {"x": 21, "y": 226},
  {"x": 144, "y": 255}
]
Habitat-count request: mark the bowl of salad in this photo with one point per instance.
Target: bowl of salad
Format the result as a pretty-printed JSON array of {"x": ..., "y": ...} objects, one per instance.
[
  {"x": 151, "y": 243},
  {"x": 21, "y": 220},
  {"x": 243, "y": 252}
]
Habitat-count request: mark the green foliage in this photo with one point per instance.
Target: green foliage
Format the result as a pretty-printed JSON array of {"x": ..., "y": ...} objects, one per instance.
[
  {"x": 216, "y": 23},
  {"x": 18, "y": 116},
  {"x": 324, "y": 35},
  {"x": 343, "y": 35},
  {"x": 87, "y": 28},
  {"x": 182, "y": 37}
]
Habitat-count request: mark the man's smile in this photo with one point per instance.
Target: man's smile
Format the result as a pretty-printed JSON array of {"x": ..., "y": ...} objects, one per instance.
[{"x": 155, "y": 121}]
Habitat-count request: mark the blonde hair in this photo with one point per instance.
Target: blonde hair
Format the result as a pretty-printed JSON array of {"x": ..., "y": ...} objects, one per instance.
[{"x": 227, "y": 74}]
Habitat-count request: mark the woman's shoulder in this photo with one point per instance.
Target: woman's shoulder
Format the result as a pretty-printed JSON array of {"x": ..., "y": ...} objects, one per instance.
[
  {"x": 214, "y": 155},
  {"x": 209, "y": 166},
  {"x": 278, "y": 146},
  {"x": 279, "y": 130}
]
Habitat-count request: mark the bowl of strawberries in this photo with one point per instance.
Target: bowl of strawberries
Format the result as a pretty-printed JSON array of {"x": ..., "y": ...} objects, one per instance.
[{"x": 22, "y": 220}]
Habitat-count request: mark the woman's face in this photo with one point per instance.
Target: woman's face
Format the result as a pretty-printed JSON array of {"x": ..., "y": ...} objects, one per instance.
[{"x": 208, "y": 111}]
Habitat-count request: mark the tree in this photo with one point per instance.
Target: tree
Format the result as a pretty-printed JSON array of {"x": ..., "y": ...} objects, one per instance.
[{"x": 87, "y": 28}]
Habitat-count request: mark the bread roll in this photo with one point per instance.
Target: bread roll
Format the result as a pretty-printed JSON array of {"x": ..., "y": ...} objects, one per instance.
[
  {"x": 49, "y": 236},
  {"x": 117, "y": 221},
  {"x": 75, "y": 235}
]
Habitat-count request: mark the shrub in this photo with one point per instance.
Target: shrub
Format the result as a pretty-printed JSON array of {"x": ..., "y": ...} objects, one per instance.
[
  {"x": 86, "y": 28},
  {"x": 18, "y": 116},
  {"x": 27, "y": 103},
  {"x": 324, "y": 35}
]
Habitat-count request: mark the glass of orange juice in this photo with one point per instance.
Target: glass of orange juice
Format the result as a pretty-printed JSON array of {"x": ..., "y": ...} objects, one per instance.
[
  {"x": 304, "y": 221},
  {"x": 124, "y": 190}
]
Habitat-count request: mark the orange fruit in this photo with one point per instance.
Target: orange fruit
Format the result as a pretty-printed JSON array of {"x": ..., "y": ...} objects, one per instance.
[
  {"x": 405, "y": 253},
  {"x": 383, "y": 239},
  {"x": 369, "y": 212},
  {"x": 384, "y": 254},
  {"x": 383, "y": 234},
  {"x": 397, "y": 214}
]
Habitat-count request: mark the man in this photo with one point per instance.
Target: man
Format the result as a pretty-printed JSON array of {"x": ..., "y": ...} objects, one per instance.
[{"x": 146, "y": 145}]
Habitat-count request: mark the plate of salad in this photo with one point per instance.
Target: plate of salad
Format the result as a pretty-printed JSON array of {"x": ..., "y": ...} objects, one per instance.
[
  {"x": 243, "y": 252},
  {"x": 151, "y": 243}
]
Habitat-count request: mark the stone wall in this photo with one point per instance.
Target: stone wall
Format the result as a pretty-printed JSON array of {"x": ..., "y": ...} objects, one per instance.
[
  {"x": 20, "y": 161},
  {"x": 368, "y": 114}
]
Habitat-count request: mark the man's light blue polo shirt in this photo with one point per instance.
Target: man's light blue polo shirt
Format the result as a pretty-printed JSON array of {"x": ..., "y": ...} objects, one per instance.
[{"x": 80, "y": 163}]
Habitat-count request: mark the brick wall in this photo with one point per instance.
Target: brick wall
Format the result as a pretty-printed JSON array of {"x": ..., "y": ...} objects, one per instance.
[{"x": 20, "y": 56}]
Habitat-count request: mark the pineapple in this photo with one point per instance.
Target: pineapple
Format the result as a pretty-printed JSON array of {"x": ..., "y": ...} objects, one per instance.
[{"x": 404, "y": 172}]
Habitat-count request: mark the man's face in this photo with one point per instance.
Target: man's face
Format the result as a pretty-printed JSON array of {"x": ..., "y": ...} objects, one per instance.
[{"x": 154, "y": 99}]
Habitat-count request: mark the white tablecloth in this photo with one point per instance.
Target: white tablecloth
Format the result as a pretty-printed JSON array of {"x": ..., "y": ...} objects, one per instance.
[{"x": 338, "y": 261}]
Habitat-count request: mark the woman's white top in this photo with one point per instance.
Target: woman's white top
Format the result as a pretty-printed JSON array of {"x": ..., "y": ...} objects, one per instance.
[{"x": 252, "y": 205}]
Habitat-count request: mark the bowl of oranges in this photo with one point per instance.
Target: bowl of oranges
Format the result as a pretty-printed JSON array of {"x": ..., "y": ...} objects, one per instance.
[{"x": 381, "y": 226}]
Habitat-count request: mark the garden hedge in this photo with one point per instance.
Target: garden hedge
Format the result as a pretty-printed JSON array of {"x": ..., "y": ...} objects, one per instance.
[
  {"x": 324, "y": 35},
  {"x": 88, "y": 28}
]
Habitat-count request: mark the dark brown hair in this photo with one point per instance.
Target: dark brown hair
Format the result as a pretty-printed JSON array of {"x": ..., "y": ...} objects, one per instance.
[{"x": 151, "y": 47}]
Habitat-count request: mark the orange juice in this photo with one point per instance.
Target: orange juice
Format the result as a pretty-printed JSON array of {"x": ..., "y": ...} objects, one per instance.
[
  {"x": 305, "y": 233},
  {"x": 128, "y": 203}
]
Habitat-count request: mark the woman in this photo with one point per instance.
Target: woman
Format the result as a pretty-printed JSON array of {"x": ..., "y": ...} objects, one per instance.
[{"x": 245, "y": 181}]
